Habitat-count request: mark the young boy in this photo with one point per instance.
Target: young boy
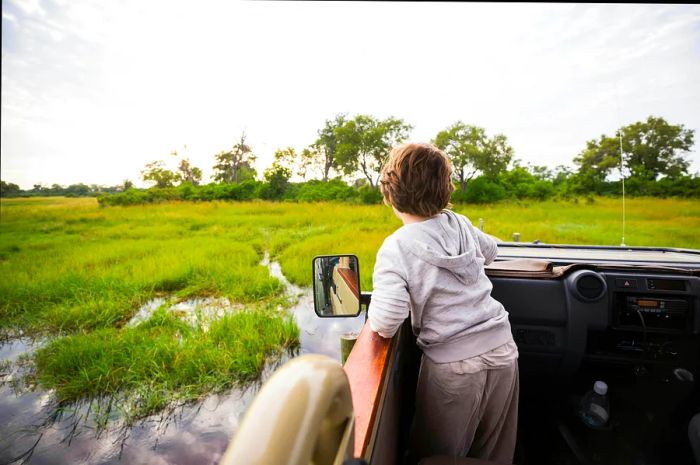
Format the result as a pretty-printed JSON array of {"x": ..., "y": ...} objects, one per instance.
[{"x": 433, "y": 269}]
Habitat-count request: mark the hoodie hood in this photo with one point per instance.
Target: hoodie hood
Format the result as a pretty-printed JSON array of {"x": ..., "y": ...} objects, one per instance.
[
  {"x": 443, "y": 241},
  {"x": 434, "y": 272}
]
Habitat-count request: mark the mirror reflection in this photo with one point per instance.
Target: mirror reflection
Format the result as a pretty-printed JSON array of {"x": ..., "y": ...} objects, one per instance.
[{"x": 336, "y": 285}]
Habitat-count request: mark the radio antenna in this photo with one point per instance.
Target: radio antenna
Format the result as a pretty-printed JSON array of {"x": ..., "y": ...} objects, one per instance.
[
  {"x": 622, "y": 166},
  {"x": 622, "y": 175}
]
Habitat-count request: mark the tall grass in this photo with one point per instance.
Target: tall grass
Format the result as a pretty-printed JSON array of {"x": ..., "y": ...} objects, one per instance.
[
  {"x": 68, "y": 265},
  {"x": 361, "y": 230},
  {"x": 163, "y": 359},
  {"x": 66, "y": 270},
  {"x": 649, "y": 221}
]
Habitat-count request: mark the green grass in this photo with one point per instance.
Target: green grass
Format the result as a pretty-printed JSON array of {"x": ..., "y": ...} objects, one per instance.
[
  {"x": 77, "y": 273},
  {"x": 361, "y": 230},
  {"x": 68, "y": 265},
  {"x": 94, "y": 267},
  {"x": 163, "y": 360},
  {"x": 649, "y": 221}
]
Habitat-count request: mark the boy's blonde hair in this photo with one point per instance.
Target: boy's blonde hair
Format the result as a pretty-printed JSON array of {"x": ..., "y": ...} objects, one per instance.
[{"x": 417, "y": 179}]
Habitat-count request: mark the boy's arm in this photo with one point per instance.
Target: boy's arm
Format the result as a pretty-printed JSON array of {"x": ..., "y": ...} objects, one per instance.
[
  {"x": 487, "y": 244},
  {"x": 390, "y": 299}
]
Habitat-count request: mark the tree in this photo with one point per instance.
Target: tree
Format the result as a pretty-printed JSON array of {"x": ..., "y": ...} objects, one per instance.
[
  {"x": 325, "y": 147},
  {"x": 78, "y": 190},
  {"x": 306, "y": 161},
  {"x": 231, "y": 164},
  {"x": 39, "y": 189},
  {"x": 471, "y": 151},
  {"x": 496, "y": 156},
  {"x": 655, "y": 148},
  {"x": 541, "y": 172},
  {"x": 364, "y": 144},
  {"x": 650, "y": 149},
  {"x": 127, "y": 184},
  {"x": 286, "y": 158},
  {"x": 462, "y": 143},
  {"x": 186, "y": 173},
  {"x": 156, "y": 172},
  {"x": 189, "y": 173},
  {"x": 246, "y": 172},
  {"x": 8, "y": 189},
  {"x": 277, "y": 178},
  {"x": 560, "y": 175}
]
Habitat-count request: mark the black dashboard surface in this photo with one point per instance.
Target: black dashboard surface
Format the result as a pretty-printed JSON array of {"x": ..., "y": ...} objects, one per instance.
[
  {"x": 613, "y": 304},
  {"x": 628, "y": 316}
]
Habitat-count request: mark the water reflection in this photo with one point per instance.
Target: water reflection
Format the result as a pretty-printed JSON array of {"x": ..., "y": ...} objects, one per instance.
[
  {"x": 186, "y": 435},
  {"x": 196, "y": 312},
  {"x": 32, "y": 430},
  {"x": 11, "y": 350}
]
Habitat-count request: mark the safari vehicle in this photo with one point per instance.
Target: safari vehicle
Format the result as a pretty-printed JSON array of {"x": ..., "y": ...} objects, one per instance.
[{"x": 629, "y": 316}]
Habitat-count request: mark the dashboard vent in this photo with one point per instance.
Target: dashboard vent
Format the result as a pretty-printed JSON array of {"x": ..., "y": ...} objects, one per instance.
[{"x": 590, "y": 286}]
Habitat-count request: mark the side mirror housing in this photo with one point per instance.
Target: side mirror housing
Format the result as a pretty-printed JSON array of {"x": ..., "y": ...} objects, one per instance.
[{"x": 336, "y": 281}]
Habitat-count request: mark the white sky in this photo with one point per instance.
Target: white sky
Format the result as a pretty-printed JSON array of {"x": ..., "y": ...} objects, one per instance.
[{"x": 92, "y": 91}]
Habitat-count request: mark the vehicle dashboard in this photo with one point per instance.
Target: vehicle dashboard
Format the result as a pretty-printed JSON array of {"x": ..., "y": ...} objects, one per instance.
[
  {"x": 626, "y": 316},
  {"x": 605, "y": 307}
]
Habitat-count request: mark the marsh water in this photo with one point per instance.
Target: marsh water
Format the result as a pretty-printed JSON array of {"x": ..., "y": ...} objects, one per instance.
[{"x": 32, "y": 430}]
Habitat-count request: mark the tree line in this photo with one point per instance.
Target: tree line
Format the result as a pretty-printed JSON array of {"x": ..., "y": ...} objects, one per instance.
[
  {"x": 10, "y": 189},
  {"x": 651, "y": 155}
]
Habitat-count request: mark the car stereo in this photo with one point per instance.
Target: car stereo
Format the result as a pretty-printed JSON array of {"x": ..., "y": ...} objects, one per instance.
[{"x": 651, "y": 312}]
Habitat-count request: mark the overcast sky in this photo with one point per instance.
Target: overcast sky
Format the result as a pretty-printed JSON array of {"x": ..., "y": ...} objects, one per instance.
[{"x": 92, "y": 91}]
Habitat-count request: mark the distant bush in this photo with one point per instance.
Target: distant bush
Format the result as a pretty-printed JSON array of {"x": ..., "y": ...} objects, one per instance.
[
  {"x": 319, "y": 191},
  {"x": 291, "y": 192},
  {"x": 481, "y": 190},
  {"x": 130, "y": 197},
  {"x": 684, "y": 186},
  {"x": 370, "y": 196},
  {"x": 164, "y": 194},
  {"x": 311, "y": 191},
  {"x": 56, "y": 190},
  {"x": 516, "y": 184},
  {"x": 9, "y": 189},
  {"x": 247, "y": 190},
  {"x": 519, "y": 183}
]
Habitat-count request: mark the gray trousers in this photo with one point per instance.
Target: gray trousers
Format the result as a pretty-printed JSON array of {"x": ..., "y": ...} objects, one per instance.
[{"x": 466, "y": 414}]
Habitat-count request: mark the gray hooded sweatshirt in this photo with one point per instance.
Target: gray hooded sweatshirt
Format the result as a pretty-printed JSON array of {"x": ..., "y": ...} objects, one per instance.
[{"x": 434, "y": 271}]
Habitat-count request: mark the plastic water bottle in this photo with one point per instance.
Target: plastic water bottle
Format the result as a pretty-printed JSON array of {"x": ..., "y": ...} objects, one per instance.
[{"x": 595, "y": 407}]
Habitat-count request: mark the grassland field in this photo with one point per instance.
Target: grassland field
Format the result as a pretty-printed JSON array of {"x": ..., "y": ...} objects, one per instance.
[{"x": 74, "y": 274}]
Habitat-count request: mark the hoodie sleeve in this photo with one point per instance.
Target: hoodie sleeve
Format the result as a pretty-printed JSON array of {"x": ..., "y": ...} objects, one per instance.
[
  {"x": 487, "y": 244},
  {"x": 390, "y": 299}
]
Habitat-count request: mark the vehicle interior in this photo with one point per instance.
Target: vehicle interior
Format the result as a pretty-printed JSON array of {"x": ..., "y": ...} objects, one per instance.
[
  {"x": 627, "y": 316},
  {"x": 631, "y": 319}
]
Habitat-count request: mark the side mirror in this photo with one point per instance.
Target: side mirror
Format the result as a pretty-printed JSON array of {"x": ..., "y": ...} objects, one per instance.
[{"x": 336, "y": 286}]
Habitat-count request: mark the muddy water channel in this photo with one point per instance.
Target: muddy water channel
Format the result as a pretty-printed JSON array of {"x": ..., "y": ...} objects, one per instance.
[{"x": 32, "y": 430}]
